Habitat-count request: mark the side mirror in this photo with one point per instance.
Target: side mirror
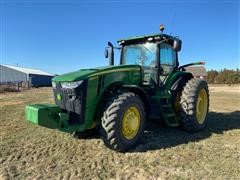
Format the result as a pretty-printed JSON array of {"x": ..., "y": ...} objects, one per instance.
[
  {"x": 177, "y": 45},
  {"x": 109, "y": 53},
  {"x": 106, "y": 53}
]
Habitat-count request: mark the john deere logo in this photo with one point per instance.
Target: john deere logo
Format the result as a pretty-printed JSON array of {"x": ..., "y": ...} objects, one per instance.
[{"x": 59, "y": 97}]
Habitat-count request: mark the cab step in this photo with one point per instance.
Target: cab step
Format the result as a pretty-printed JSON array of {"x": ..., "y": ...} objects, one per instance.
[
  {"x": 164, "y": 100},
  {"x": 171, "y": 119},
  {"x": 169, "y": 113}
]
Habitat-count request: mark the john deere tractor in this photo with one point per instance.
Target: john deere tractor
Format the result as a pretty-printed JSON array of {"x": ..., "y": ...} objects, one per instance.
[{"x": 148, "y": 84}]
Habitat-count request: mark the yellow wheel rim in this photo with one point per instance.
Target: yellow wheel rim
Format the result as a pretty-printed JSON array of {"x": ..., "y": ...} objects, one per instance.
[
  {"x": 201, "y": 108},
  {"x": 130, "y": 122}
]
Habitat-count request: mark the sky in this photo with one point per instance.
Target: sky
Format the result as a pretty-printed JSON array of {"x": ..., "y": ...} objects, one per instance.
[{"x": 63, "y": 36}]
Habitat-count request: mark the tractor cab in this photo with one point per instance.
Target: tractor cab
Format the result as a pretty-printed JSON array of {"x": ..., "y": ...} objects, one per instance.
[{"x": 157, "y": 54}]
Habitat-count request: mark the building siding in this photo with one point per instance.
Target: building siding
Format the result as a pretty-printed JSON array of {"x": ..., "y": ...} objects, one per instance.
[
  {"x": 11, "y": 75},
  {"x": 197, "y": 71}
]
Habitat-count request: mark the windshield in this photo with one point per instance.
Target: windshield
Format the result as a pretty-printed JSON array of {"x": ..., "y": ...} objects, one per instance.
[{"x": 141, "y": 54}]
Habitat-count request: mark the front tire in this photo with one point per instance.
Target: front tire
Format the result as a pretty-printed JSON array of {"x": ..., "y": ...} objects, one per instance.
[
  {"x": 194, "y": 105},
  {"x": 123, "y": 121}
]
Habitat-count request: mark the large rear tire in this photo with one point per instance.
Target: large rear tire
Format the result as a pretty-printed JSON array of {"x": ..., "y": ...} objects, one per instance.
[
  {"x": 123, "y": 121},
  {"x": 194, "y": 105}
]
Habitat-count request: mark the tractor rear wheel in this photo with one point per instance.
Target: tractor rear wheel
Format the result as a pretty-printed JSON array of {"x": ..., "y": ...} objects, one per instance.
[
  {"x": 194, "y": 105},
  {"x": 123, "y": 121}
]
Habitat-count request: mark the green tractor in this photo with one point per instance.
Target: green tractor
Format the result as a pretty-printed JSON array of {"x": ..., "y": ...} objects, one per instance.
[{"x": 148, "y": 84}]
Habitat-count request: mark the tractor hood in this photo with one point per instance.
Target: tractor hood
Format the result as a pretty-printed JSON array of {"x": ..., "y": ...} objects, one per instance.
[{"x": 85, "y": 73}]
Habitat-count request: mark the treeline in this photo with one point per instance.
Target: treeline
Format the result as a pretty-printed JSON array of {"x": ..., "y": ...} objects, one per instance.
[{"x": 224, "y": 76}]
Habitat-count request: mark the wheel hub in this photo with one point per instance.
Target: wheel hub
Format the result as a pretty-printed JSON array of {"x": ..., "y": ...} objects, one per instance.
[
  {"x": 202, "y": 106},
  {"x": 131, "y": 122}
]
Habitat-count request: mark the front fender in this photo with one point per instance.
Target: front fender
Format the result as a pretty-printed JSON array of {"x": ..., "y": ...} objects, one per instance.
[{"x": 100, "y": 84}]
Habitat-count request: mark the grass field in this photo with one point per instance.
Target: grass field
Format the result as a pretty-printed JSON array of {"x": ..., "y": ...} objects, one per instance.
[{"x": 29, "y": 151}]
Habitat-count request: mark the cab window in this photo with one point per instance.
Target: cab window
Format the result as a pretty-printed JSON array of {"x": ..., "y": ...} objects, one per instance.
[
  {"x": 141, "y": 54},
  {"x": 144, "y": 55},
  {"x": 167, "y": 58}
]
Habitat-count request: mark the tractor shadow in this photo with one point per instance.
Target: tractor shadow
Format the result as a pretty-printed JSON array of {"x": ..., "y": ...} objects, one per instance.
[{"x": 158, "y": 136}]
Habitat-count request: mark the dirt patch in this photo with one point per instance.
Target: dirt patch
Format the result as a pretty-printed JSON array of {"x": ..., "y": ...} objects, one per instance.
[
  {"x": 9, "y": 103},
  {"x": 225, "y": 88},
  {"x": 25, "y": 92},
  {"x": 28, "y": 151}
]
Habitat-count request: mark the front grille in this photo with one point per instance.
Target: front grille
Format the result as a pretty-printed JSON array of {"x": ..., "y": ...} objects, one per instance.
[{"x": 72, "y": 100}]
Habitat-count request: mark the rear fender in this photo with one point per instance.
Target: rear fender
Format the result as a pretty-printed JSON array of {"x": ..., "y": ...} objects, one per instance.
[{"x": 175, "y": 80}]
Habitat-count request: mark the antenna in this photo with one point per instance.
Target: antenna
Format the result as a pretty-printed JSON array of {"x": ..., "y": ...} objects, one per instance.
[{"x": 173, "y": 22}]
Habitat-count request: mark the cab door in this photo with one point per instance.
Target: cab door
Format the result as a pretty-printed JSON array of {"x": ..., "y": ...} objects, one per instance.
[{"x": 168, "y": 61}]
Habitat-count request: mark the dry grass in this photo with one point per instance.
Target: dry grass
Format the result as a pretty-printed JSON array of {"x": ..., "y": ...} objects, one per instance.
[{"x": 29, "y": 151}]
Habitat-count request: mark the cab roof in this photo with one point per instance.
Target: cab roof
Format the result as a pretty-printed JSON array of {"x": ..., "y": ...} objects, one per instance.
[{"x": 154, "y": 37}]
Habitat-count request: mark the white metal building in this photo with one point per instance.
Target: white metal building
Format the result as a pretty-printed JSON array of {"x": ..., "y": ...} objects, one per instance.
[{"x": 34, "y": 77}]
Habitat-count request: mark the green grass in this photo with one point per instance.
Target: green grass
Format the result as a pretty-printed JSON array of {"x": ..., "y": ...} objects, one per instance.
[{"x": 29, "y": 151}]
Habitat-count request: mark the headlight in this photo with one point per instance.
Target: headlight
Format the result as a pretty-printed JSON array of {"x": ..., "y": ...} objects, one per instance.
[
  {"x": 54, "y": 84},
  {"x": 68, "y": 85}
]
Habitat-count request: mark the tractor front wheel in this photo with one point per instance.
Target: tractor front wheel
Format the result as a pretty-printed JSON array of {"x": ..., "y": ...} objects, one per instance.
[
  {"x": 123, "y": 121},
  {"x": 194, "y": 105}
]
